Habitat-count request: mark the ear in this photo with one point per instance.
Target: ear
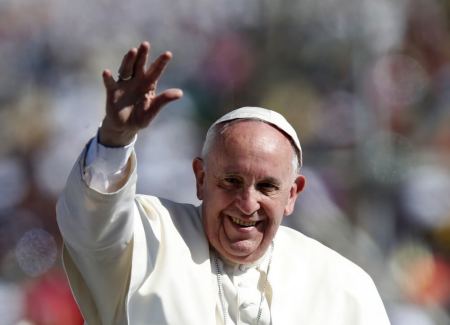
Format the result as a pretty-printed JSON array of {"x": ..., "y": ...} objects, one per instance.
[
  {"x": 296, "y": 188},
  {"x": 199, "y": 172}
]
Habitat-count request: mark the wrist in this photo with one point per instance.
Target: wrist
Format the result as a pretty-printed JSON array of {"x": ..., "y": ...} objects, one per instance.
[{"x": 113, "y": 137}]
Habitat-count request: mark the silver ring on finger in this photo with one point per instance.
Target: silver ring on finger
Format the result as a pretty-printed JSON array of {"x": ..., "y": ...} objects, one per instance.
[{"x": 121, "y": 78}]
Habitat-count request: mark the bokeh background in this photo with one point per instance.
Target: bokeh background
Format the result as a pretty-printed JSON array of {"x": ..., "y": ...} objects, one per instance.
[{"x": 366, "y": 84}]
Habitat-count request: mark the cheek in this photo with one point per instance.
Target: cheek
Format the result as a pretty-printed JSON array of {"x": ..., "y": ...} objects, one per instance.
[
  {"x": 275, "y": 221},
  {"x": 210, "y": 222},
  {"x": 218, "y": 199},
  {"x": 278, "y": 202},
  {"x": 285, "y": 203},
  {"x": 214, "y": 202}
]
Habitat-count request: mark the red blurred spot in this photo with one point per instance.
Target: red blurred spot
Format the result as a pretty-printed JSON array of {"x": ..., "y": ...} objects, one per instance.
[
  {"x": 49, "y": 301},
  {"x": 435, "y": 289}
]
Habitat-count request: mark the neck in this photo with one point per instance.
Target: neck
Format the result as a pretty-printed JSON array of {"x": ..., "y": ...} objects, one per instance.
[{"x": 233, "y": 264}]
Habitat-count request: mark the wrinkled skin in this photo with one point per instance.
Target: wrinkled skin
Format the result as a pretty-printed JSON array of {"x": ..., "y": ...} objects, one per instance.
[
  {"x": 132, "y": 102},
  {"x": 247, "y": 185}
]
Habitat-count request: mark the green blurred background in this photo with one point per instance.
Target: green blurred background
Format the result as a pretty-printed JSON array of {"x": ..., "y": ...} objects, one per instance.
[{"x": 365, "y": 83}]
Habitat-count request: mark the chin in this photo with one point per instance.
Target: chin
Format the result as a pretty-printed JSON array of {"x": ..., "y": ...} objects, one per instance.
[{"x": 244, "y": 257}]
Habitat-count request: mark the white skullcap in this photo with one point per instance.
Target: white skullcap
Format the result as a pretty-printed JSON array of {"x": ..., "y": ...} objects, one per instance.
[{"x": 265, "y": 115}]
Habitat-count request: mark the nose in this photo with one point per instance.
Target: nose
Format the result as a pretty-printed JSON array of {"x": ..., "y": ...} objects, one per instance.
[{"x": 247, "y": 201}]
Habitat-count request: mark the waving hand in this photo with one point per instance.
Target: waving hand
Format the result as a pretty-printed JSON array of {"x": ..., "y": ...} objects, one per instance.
[{"x": 131, "y": 101}]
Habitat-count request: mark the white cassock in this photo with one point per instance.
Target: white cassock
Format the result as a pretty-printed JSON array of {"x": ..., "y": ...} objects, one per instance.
[{"x": 135, "y": 259}]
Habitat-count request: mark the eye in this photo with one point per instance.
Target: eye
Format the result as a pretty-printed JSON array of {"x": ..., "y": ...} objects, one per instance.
[
  {"x": 230, "y": 182},
  {"x": 267, "y": 187}
]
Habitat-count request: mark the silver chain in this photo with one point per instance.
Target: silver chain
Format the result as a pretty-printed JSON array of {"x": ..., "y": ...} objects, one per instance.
[
  {"x": 219, "y": 284},
  {"x": 219, "y": 274}
]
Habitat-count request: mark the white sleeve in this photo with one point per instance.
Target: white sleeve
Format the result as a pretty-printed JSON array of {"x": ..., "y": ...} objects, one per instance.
[
  {"x": 98, "y": 229},
  {"x": 106, "y": 167}
]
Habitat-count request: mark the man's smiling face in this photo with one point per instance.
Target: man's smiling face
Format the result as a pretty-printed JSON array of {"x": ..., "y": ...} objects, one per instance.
[{"x": 247, "y": 184}]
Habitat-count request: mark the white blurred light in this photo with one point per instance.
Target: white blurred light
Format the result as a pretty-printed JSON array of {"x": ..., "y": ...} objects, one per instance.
[
  {"x": 426, "y": 195},
  {"x": 25, "y": 322},
  {"x": 11, "y": 303},
  {"x": 382, "y": 24},
  {"x": 388, "y": 157},
  {"x": 379, "y": 24},
  {"x": 36, "y": 252},
  {"x": 13, "y": 182},
  {"x": 399, "y": 79},
  {"x": 409, "y": 315}
]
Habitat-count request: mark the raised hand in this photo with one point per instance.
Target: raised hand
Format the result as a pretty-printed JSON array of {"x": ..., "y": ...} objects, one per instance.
[{"x": 131, "y": 101}]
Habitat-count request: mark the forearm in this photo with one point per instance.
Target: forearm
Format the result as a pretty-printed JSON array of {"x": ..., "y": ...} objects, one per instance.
[
  {"x": 91, "y": 219},
  {"x": 107, "y": 169},
  {"x": 98, "y": 229}
]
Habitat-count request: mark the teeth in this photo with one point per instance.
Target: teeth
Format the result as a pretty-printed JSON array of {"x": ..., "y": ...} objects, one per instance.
[{"x": 242, "y": 222}]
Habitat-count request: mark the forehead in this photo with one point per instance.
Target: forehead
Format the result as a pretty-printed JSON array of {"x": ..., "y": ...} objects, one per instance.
[
  {"x": 255, "y": 140},
  {"x": 253, "y": 130}
]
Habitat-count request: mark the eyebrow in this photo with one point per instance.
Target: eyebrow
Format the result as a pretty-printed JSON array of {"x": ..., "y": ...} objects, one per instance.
[
  {"x": 266, "y": 179},
  {"x": 270, "y": 179}
]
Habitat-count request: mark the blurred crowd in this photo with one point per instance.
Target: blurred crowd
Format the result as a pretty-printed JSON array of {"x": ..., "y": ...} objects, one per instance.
[{"x": 365, "y": 83}]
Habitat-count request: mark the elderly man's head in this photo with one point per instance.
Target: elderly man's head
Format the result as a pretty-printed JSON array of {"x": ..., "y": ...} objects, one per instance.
[
  {"x": 217, "y": 130},
  {"x": 248, "y": 179}
]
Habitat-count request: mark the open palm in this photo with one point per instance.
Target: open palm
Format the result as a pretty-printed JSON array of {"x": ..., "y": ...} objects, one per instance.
[{"x": 131, "y": 101}]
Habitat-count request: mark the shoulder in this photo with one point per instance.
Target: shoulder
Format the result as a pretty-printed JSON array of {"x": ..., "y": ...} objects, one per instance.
[
  {"x": 153, "y": 204},
  {"x": 315, "y": 258},
  {"x": 302, "y": 245},
  {"x": 177, "y": 226},
  {"x": 159, "y": 210},
  {"x": 322, "y": 280}
]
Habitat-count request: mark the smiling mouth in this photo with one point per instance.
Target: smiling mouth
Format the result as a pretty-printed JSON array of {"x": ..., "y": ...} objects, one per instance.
[{"x": 243, "y": 223}]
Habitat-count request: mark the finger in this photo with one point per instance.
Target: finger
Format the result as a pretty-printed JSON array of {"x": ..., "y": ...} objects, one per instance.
[
  {"x": 156, "y": 69},
  {"x": 108, "y": 80},
  {"x": 141, "y": 58},
  {"x": 164, "y": 98},
  {"x": 150, "y": 108},
  {"x": 127, "y": 66}
]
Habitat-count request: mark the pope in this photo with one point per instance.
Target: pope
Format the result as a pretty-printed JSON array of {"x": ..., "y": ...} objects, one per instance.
[{"x": 139, "y": 259}]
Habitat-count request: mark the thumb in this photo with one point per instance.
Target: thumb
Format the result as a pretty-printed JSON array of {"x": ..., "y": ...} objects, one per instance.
[
  {"x": 166, "y": 97},
  {"x": 159, "y": 102}
]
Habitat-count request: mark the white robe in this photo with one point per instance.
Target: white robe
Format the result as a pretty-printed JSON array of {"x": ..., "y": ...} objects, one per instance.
[{"x": 134, "y": 259}]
